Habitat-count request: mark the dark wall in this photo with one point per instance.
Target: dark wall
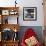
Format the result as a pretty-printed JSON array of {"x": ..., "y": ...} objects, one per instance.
[{"x": 37, "y": 29}]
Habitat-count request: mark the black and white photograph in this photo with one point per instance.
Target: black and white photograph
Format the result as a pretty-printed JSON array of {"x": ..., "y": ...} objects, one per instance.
[{"x": 29, "y": 13}]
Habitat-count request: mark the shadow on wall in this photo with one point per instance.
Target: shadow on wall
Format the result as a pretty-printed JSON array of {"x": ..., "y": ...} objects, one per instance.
[{"x": 37, "y": 29}]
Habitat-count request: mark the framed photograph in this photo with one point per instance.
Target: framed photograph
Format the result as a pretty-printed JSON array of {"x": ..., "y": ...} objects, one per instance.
[
  {"x": 12, "y": 12},
  {"x": 5, "y": 12},
  {"x": 10, "y": 20},
  {"x": 29, "y": 13}
]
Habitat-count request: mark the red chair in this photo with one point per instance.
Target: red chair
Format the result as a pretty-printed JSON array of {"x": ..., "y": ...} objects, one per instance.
[{"x": 29, "y": 33}]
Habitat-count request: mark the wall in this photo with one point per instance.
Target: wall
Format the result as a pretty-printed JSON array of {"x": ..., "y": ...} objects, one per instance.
[{"x": 26, "y": 3}]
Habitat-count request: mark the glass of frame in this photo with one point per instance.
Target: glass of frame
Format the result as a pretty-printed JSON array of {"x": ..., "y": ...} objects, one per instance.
[
  {"x": 13, "y": 20},
  {"x": 29, "y": 13},
  {"x": 10, "y": 20}
]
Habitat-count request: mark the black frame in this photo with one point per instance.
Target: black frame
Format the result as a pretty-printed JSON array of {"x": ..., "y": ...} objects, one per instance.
[{"x": 30, "y": 19}]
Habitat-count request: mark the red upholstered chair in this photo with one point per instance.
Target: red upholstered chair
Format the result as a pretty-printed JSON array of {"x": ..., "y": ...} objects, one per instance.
[{"x": 28, "y": 34}]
